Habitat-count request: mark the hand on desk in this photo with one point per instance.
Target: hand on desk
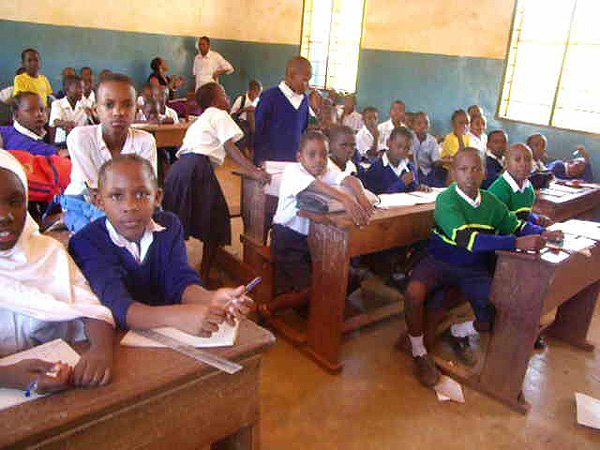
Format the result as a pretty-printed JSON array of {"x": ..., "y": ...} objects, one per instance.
[
  {"x": 198, "y": 319},
  {"x": 94, "y": 367},
  {"x": 360, "y": 214},
  {"x": 23, "y": 373},
  {"x": 235, "y": 302},
  {"x": 544, "y": 221},
  {"x": 408, "y": 177},
  {"x": 532, "y": 243},
  {"x": 553, "y": 236}
]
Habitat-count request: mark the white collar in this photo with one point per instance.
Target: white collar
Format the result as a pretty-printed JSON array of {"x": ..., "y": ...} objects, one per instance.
[
  {"x": 294, "y": 98},
  {"x": 491, "y": 155},
  {"x": 474, "y": 203},
  {"x": 538, "y": 165},
  {"x": 208, "y": 54},
  {"x": 402, "y": 165},
  {"x": 27, "y": 132},
  {"x": 513, "y": 184},
  {"x": 138, "y": 252}
]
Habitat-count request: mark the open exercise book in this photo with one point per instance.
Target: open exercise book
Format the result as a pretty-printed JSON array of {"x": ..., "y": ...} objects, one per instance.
[
  {"x": 387, "y": 201},
  {"x": 53, "y": 351},
  {"x": 225, "y": 337},
  {"x": 579, "y": 235}
]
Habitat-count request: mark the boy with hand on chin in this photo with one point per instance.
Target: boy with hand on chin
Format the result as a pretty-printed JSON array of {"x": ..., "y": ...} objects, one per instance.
[
  {"x": 136, "y": 262},
  {"x": 470, "y": 224}
]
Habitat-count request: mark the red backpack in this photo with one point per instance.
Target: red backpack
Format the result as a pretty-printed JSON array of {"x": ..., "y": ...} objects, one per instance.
[{"x": 47, "y": 176}]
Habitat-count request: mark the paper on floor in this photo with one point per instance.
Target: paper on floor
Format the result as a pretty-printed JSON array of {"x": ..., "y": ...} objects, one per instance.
[
  {"x": 448, "y": 389},
  {"x": 53, "y": 351},
  {"x": 588, "y": 410},
  {"x": 225, "y": 337}
]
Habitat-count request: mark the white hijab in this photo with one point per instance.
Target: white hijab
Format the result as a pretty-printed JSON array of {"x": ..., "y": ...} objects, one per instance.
[{"x": 40, "y": 283}]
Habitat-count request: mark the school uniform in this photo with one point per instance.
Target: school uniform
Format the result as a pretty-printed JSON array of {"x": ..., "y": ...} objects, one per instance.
[
  {"x": 62, "y": 110},
  {"x": 364, "y": 141},
  {"x": 290, "y": 231},
  {"x": 466, "y": 232},
  {"x": 450, "y": 146},
  {"x": 385, "y": 131},
  {"x": 281, "y": 117},
  {"x": 559, "y": 169},
  {"x": 350, "y": 169},
  {"x": 518, "y": 200},
  {"x": 383, "y": 178},
  {"x": 192, "y": 190},
  {"x": 169, "y": 113},
  {"x": 478, "y": 142},
  {"x": 426, "y": 154},
  {"x": 121, "y": 273},
  {"x": 17, "y": 137},
  {"x": 353, "y": 120},
  {"x": 89, "y": 101},
  {"x": 493, "y": 169},
  {"x": 205, "y": 66},
  {"x": 243, "y": 101},
  {"x": 40, "y": 85}
]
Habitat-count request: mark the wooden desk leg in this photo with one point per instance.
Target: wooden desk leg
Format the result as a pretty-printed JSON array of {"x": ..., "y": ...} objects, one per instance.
[
  {"x": 573, "y": 318},
  {"x": 330, "y": 267},
  {"x": 245, "y": 439}
]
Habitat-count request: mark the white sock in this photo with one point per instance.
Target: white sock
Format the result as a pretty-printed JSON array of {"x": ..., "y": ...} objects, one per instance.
[
  {"x": 417, "y": 346},
  {"x": 465, "y": 329}
]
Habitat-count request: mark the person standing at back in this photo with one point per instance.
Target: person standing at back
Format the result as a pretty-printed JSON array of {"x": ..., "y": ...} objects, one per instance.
[{"x": 209, "y": 65}]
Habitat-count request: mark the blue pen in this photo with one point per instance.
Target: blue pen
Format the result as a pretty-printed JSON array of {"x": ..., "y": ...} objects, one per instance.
[
  {"x": 31, "y": 388},
  {"x": 252, "y": 284}
]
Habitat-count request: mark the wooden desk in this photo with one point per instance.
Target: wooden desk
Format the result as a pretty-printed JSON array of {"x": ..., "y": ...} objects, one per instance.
[
  {"x": 333, "y": 240},
  {"x": 581, "y": 205},
  {"x": 167, "y": 135},
  {"x": 158, "y": 399},
  {"x": 524, "y": 289}
]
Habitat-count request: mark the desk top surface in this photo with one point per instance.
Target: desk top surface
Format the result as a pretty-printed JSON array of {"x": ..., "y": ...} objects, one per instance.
[
  {"x": 138, "y": 374},
  {"x": 153, "y": 127},
  {"x": 590, "y": 190}
]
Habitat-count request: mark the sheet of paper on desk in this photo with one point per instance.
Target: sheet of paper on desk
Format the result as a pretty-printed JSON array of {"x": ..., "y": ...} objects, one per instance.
[
  {"x": 275, "y": 168},
  {"x": 53, "y": 351},
  {"x": 585, "y": 228},
  {"x": 427, "y": 197},
  {"x": 562, "y": 188},
  {"x": 225, "y": 337},
  {"x": 448, "y": 389},
  {"x": 553, "y": 257},
  {"x": 387, "y": 201},
  {"x": 588, "y": 410}
]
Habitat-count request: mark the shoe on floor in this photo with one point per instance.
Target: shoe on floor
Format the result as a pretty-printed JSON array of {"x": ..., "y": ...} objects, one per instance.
[
  {"x": 461, "y": 348},
  {"x": 427, "y": 373}
]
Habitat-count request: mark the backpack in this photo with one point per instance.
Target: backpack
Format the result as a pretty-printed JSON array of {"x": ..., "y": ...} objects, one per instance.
[{"x": 47, "y": 176}]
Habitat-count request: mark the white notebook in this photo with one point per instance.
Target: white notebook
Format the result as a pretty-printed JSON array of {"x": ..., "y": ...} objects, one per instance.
[{"x": 225, "y": 337}]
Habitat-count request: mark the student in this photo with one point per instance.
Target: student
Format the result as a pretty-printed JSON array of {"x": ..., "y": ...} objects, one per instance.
[
  {"x": 67, "y": 72},
  {"x": 426, "y": 153},
  {"x": 246, "y": 103},
  {"x": 496, "y": 148},
  {"x": 136, "y": 261},
  {"x": 477, "y": 136},
  {"x": 367, "y": 138},
  {"x": 470, "y": 224},
  {"x": 32, "y": 80},
  {"x": 159, "y": 77},
  {"x": 149, "y": 112},
  {"x": 166, "y": 115},
  {"x": 513, "y": 187},
  {"x": 342, "y": 147},
  {"x": 282, "y": 114},
  {"x": 192, "y": 190},
  {"x": 393, "y": 171},
  {"x": 68, "y": 112},
  {"x": 7, "y": 93},
  {"x": 146, "y": 94},
  {"x": 474, "y": 111},
  {"x": 328, "y": 118},
  {"x": 89, "y": 97},
  {"x": 105, "y": 73},
  {"x": 311, "y": 172},
  {"x": 458, "y": 139},
  {"x": 91, "y": 146},
  {"x": 397, "y": 119},
  {"x": 44, "y": 297},
  {"x": 27, "y": 131},
  {"x": 579, "y": 168},
  {"x": 350, "y": 116}
]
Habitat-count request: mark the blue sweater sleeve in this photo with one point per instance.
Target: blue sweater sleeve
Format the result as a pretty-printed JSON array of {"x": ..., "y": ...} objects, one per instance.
[{"x": 490, "y": 242}]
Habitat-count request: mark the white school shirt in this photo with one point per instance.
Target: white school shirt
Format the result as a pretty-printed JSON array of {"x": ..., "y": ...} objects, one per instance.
[
  {"x": 426, "y": 152},
  {"x": 62, "y": 110},
  {"x": 399, "y": 169},
  {"x": 170, "y": 113},
  {"x": 478, "y": 142},
  {"x": 513, "y": 184},
  {"x": 140, "y": 251},
  {"x": 385, "y": 130},
  {"x": 205, "y": 66},
  {"x": 6, "y": 94},
  {"x": 88, "y": 152},
  {"x": 295, "y": 179},
  {"x": 474, "y": 203},
  {"x": 354, "y": 121},
  {"x": 364, "y": 140},
  {"x": 89, "y": 101},
  {"x": 237, "y": 105},
  {"x": 294, "y": 98},
  {"x": 208, "y": 134},
  {"x": 349, "y": 170}
]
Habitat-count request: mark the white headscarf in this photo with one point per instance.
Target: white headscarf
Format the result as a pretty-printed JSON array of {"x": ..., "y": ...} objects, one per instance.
[{"x": 40, "y": 283}]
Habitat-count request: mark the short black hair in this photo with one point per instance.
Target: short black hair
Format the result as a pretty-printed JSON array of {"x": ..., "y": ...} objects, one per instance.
[
  {"x": 398, "y": 102},
  {"x": 205, "y": 38},
  {"x": 205, "y": 95},
  {"x": 155, "y": 64},
  {"x": 85, "y": 68},
  {"x": 531, "y": 136},
  {"x": 69, "y": 80},
  {"x": 20, "y": 70},
  {"x": 469, "y": 150},
  {"x": 123, "y": 158},
  {"x": 254, "y": 84},
  {"x": 457, "y": 112},
  {"x": 21, "y": 96},
  {"x": 370, "y": 109},
  {"x": 337, "y": 131},
  {"x": 311, "y": 135},
  {"x": 27, "y": 50},
  {"x": 114, "y": 77},
  {"x": 491, "y": 133},
  {"x": 400, "y": 131}
]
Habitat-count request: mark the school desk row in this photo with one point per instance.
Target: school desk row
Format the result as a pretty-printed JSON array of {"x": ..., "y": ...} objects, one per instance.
[{"x": 524, "y": 289}]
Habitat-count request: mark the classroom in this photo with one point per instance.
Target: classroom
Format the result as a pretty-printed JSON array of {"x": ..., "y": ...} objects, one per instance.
[{"x": 437, "y": 56}]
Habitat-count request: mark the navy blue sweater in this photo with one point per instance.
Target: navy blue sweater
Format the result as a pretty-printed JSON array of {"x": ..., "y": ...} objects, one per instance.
[
  {"x": 13, "y": 140},
  {"x": 493, "y": 169},
  {"x": 118, "y": 280},
  {"x": 279, "y": 127},
  {"x": 381, "y": 179}
]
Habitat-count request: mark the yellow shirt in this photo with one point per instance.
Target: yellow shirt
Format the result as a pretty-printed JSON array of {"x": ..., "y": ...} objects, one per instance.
[
  {"x": 39, "y": 85},
  {"x": 450, "y": 145}
]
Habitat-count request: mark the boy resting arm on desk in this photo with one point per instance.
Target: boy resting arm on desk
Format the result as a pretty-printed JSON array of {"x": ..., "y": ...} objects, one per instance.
[{"x": 136, "y": 261}]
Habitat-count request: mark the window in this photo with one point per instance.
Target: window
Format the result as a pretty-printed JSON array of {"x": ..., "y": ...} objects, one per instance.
[
  {"x": 550, "y": 76},
  {"x": 331, "y": 33}
]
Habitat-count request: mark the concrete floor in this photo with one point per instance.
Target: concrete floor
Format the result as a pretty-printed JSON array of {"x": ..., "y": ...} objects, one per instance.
[{"x": 377, "y": 403}]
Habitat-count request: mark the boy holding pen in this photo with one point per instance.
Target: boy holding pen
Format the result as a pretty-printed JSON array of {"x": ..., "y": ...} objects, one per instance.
[{"x": 135, "y": 258}]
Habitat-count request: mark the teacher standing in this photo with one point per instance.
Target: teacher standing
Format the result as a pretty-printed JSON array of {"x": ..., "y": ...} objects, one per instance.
[{"x": 209, "y": 65}]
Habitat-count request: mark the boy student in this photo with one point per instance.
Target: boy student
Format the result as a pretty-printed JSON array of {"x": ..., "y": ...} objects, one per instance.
[
  {"x": 496, "y": 148},
  {"x": 27, "y": 131},
  {"x": 350, "y": 116},
  {"x": 290, "y": 231},
  {"x": 477, "y": 135},
  {"x": 474, "y": 111},
  {"x": 136, "y": 262},
  {"x": 367, "y": 138},
  {"x": 68, "y": 112},
  {"x": 393, "y": 171},
  {"x": 282, "y": 114},
  {"x": 470, "y": 224},
  {"x": 44, "y": 296},
  {"x": 397, "y": 119},
  {"x": 91, "y": 146},
  {"x": 246, "y": 103},
  {"x": 426, "y": 153},
  {"x": 31, "y": 80},
  {"x": 579, "y": 168},
  {"x": 165, "y": 114},
  {"x": 89, "y": 97},
  {"x": 342, "y": 147},
  {"x": 67, "y": 71}
]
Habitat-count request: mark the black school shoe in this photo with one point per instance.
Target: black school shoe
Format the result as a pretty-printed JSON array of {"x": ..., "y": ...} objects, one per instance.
[
  {"x": 461, "y": 348},
  {"x": 427, "y": 373}
]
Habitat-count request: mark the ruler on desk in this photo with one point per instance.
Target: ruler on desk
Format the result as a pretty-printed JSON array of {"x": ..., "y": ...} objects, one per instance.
[{"x": 212, "y": 360}]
